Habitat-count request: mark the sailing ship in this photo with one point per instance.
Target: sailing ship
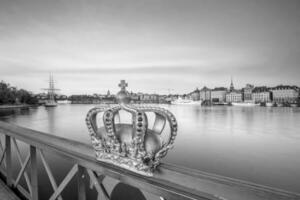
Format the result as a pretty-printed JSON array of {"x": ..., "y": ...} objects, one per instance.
[{"x": 50, "y": 102}]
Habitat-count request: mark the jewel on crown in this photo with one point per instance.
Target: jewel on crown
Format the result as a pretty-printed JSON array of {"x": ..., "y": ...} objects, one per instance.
[{"x": 135, "y": 146}]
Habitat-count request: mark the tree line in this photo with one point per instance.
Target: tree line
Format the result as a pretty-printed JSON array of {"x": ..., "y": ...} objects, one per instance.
[{"x": 12, "y": 95}]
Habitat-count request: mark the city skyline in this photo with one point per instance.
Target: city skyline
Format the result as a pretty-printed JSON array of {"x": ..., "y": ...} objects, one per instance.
[
  {"x": 114, "y": 91},
  {"x": 156, "y": 46}
]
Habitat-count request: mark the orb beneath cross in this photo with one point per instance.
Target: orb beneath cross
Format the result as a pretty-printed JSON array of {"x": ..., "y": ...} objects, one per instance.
[{"x": 123, "y": 97}]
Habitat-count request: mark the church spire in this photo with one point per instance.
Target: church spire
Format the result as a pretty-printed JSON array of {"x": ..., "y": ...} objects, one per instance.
[{"x": 231, "y": 85}]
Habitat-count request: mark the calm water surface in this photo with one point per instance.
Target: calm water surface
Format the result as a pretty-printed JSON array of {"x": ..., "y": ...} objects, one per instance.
[{"x": 256, "y": 144}]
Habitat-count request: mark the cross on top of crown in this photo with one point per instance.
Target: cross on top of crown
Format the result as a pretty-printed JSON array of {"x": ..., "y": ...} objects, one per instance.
[{"x": 123, "y": 85}]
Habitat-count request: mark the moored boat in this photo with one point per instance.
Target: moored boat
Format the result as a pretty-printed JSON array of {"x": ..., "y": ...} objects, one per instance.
[
  {"x": 219, "y": 104},
  {"x": 181, "y": 101},
  {"x": 50, "y": 103},
  {"x": 279, "y": 104},
  {"x": 63, "y": 101},
  {"x": 246, "y": 104}
]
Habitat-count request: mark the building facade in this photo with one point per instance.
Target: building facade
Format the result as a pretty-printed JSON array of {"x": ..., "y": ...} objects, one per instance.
[
  {"x": 205, "y": 94},
  {"x": 162, "y": 99},
  {"x": 285, "y": 94},
  {"x": 234, "y": 96},
  {"x": 247, "y": 93},
  {"x": 149, "y": 98},
  {"x": 195, "y": 95},
  {"x": 134, "y": 97},
  {"x": 218, "y": 95},
  {"x": 261, "y": 95}
]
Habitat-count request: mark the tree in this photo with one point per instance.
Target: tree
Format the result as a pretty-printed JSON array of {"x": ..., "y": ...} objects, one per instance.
[
  {"x": 6, "y": 94},
  {"x": 9, "y": 95}
]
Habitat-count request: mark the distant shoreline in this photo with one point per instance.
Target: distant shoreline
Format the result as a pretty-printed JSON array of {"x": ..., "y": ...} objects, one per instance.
[{"x": 8, "y": 106}]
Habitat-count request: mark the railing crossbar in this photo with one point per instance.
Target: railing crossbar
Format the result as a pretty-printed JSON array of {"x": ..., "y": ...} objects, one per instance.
[
  {"x": 3, "y": 154},
  {"x": 23, "y": 168},
  {"x": 98, "y": 184},
  {"x": 21, "y": 163},
  {"x": 49, "y": 173},
  {"x": 21, "y": 189},
  {"x": 2, "y": 157},
  {"x": 65, "y": 182},
  {"x": 1, "y": 146}
]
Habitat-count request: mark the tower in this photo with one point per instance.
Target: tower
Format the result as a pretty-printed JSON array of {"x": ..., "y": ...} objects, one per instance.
[{"x": 231, "y": 85}]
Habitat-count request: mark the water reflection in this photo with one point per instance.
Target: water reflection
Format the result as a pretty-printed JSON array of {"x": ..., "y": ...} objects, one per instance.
[
  {"x": 257, "y": 144},
  {"x": 50, "y": 112},
  {"x": 5, "y": 113}
]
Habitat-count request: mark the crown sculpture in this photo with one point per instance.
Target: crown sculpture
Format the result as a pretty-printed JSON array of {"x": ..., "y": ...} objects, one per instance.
[{"x": 135, "y": 146}]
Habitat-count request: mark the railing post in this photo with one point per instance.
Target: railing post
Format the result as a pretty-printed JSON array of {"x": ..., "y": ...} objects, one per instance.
[
  {"x": 80, "y": 183},
  {"x": 8, "y": 161},
  {"x": 34, "y": 173}
]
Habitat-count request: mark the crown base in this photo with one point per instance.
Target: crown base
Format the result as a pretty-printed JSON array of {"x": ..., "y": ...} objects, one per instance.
[{"x": 124, "y": 162}]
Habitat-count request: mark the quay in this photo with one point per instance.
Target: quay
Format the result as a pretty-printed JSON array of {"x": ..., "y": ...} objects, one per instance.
[
  {"x": 169, "y": 182},
  {"x": 9, "y": 107}
]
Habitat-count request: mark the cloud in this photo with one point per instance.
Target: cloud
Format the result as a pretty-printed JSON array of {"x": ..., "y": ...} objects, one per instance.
[{"x": 188, "y": 44}]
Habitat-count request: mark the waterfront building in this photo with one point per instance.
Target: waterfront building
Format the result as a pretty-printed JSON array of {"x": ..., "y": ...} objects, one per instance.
[
  {"x": 285, "y": 94},
  {"x": 231, "y": 88},
  {"x": 234, "y": 96},
  {"x": 163, "y": 99},
  {"x": 205, "y": 94},
  {"x": 41, "y": 96},
  {"x": 60, "y": 97},
  {"x": 218, "y": 95},
  {"x": 194, "y": 95},
  {"x": 247, "y": 93},
  {"x": 81, "y": 99},
  {"x": 134, "y": 97},
  {"x": 171, "y": 97},
  {"x": 261, "y": 94},
  {"x": 106, "y": 100},
  {"x": 149, "y": 98}
]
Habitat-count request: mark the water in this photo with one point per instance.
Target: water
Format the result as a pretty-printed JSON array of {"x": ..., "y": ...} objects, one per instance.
[{"x": 256, "y": 144}]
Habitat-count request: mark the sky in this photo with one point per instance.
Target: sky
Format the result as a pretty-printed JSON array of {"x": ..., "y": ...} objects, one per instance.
[{"x": 157, "y": 46}]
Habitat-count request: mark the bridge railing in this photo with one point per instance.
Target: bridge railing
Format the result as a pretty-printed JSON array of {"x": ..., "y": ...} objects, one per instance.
[{"x": 169, "y": 182}]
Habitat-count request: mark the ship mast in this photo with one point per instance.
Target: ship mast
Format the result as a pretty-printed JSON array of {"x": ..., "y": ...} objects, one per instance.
[{"x": 51, "y": 90}]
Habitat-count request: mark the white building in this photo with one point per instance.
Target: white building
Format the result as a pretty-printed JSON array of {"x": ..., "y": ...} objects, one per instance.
[
  {"x": 234, "y": 96},
  {"x": 261, "y": 95},
  {"x": 285, "y": 94}
]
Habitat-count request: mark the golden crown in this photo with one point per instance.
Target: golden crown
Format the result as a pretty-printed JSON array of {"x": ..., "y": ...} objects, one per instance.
[{"x": 133, "y": 146}]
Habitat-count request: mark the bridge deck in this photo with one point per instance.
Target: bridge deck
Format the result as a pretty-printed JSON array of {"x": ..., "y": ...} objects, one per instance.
[{"x": 6, "y": 193}]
